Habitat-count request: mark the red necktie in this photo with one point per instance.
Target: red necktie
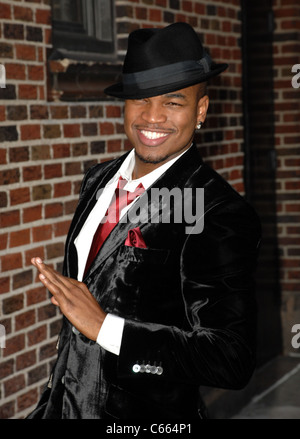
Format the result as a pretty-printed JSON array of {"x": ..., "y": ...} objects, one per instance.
[{"x": 121, "y": 199}]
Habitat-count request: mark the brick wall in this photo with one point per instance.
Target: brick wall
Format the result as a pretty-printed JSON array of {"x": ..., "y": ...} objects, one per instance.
[
  {"x": 287, "y": 140},
  {"x": 47, "y": 146}
]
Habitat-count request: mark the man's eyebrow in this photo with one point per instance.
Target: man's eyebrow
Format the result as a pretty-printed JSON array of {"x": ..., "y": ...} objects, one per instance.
[{"x": 175, "y": 95}]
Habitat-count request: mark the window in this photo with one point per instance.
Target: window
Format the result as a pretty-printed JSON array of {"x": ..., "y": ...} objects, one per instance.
[
  {"x": 83, "y": 57},
  {"x": 83, "y": 28}
]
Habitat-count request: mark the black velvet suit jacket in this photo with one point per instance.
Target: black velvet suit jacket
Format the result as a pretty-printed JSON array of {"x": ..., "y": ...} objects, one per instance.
[{"x": 187, "y": 299}]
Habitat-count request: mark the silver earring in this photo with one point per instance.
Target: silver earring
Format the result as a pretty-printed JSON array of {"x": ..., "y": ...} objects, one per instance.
[{"x": 199, "y": 125}]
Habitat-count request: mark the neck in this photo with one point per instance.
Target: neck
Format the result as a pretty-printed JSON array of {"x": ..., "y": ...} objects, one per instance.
[{"x": 144, "y": 166}]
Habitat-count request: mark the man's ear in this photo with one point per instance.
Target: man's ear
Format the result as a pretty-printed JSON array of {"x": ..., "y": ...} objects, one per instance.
[{"x": 202, "y": 108}]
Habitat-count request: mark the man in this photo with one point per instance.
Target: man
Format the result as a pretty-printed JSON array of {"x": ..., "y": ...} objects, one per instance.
[{"x": 154, "y": 308}]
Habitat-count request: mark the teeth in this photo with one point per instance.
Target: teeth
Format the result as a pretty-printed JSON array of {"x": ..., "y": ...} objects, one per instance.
[{"x": 153, "y": 135}]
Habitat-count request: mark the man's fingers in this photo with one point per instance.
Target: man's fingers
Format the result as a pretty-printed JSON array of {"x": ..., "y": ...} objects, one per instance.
[
  {"x": 49, "y": 272},
  {"x": 54, "y": 289}
]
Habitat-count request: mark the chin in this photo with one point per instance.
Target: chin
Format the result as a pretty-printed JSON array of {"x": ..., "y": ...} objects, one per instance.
[{"x": 151, "y": 158}]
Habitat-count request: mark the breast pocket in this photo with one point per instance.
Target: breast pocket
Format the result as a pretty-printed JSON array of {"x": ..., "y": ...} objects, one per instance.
[{"x": 144, "y": 255}]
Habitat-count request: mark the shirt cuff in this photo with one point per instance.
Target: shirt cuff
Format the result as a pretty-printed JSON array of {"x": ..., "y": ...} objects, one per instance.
[{"x": 110, "y": 334}]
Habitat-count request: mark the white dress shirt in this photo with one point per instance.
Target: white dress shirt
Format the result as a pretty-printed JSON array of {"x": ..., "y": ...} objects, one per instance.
[{"x": 110, "y": 334}]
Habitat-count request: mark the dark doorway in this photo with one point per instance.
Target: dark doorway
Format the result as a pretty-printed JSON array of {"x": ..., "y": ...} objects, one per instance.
[{"x": 260, "y": 165}]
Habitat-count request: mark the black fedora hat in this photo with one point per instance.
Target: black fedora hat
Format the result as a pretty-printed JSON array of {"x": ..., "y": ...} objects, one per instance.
[{"x": 159, "y": 61}]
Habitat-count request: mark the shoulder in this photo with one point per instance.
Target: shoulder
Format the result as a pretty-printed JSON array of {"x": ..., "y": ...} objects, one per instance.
[{"x": 98, "y": 171}]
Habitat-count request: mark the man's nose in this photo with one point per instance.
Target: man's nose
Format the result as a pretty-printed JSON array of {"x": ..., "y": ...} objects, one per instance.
[{"x": 154, "y": 113}]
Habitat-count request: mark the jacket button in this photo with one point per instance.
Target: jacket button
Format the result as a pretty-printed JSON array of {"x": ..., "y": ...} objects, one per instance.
[
  {"x": 153, "y": 369},
  {"x": 136, "y": 368},
  {"x": 75, "y": 330},
  {"x": 148, "y": 368},
  {"x": 159, "y": 370}
]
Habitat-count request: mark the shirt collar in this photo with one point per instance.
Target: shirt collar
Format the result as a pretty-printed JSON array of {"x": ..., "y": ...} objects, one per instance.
[{"x": 126, "y": 169}]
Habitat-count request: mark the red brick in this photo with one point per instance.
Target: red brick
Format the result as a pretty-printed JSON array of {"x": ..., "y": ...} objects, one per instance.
[
  {"x": 42, "y": 233},
  {"x": 187, "y": 6},
  {"x": 23, "y": 14},
  {"x": 37, "y": 335},
  {"x": 2, "y": 114},
  {"x": 26, "y": 52},
  {"x": 43, "y": 16},
  {"x": 30, "y": 132},
  {"x": 4, "y": 284},
  {"x": 31, "y": 173},
  {"x": 11, "y": 261},
  {"x": 27, "y": 91},
  {"x": 14, "y": 385},
  {"x": 62, "y": 189},
  {"x": 7, "y": 411},
  {"x": 292, "y": 185},
  {"x": 3, "y": 199},
  {"x": 53, "y": 170},
  {"x": 46, "y": 312},
  {"x": 3, "y": 241},
  {"x": 42, "y": 93},
  {"x": 39, "y": 112},
  {"x": 32, "y": 253},
  {"x": 9, "y": 176},
  {"x": 155, "y": 15},
  {"x": 14, "y": 31},
  {"x": 73, "y": 168},
  {"x": 27, "y": 399},
  {"x": 3, "y": 156},
  {"x": 59, "y": 112},
  {"x": 15, "y": 71},
  {"x": 22, "y": 279},
  {"x": 200, "y": 9},
  {"x": 113, "y": 145},
  {"x": 9, "y": 219},
  {"x": 113, "y": 111},
  {"x": 61, "y": 150},
  {"x": 37, "y": 294},
  {"x": 55, "y": 250},
  {"x": 71, "y": 130},
  {"x": 53, "y": 210},
  {"x": 24, "y": 320},
  {"x": 6, "y": 369},
  {"x": 62, "y": 228},
  {"x": 19, "y": 154},
  {"x": 106, "y": 128},
  {"x": 36, "y": 73},
  {"x": 5, "y": 10},
  {"x": 21, "y": 237},
  {"x": 19, "y": 196}
]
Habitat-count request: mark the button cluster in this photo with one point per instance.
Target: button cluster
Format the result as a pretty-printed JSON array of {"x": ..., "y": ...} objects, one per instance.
[{"x": 147, "y": 368}]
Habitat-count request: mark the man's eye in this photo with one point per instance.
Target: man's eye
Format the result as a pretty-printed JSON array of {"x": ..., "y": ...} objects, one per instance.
[{"x": 174, "y": 104}]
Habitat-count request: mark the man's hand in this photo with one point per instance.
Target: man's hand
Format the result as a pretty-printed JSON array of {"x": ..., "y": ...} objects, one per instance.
[{"x": 73, "y": 298}]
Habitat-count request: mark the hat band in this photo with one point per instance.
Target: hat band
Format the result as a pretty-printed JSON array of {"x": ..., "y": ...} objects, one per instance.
[{"x": 174, "y": 73}]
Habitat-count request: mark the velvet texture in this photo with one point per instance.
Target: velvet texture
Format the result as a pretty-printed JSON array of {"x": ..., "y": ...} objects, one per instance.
[{"x": 188, "y": 301}]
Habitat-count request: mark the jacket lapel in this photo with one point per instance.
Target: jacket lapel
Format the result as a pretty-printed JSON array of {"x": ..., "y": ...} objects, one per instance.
[
  {"x": 85, "y": 205},
  {"x": 176, "y": 176}
]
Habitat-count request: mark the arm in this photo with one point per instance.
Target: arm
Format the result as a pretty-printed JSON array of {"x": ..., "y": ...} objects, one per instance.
[{"x": 217, "y": 347}]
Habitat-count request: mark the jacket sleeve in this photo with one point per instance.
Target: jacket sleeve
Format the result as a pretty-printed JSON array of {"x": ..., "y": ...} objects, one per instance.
[{"x": 217, "y": 347}]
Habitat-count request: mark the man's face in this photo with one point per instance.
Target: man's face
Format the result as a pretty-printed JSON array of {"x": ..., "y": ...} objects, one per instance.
[{"x": 161, "y": 127}]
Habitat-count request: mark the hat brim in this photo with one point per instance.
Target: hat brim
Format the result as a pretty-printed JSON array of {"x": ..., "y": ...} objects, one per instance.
[{"x": 118, "y": 90}]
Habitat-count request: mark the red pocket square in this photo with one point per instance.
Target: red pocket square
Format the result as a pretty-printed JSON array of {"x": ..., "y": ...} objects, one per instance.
[{"x": 135, "y": 238}]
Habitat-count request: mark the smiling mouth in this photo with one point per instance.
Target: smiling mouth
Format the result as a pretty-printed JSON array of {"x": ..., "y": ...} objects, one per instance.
[{"x": 153, "y": 135}]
